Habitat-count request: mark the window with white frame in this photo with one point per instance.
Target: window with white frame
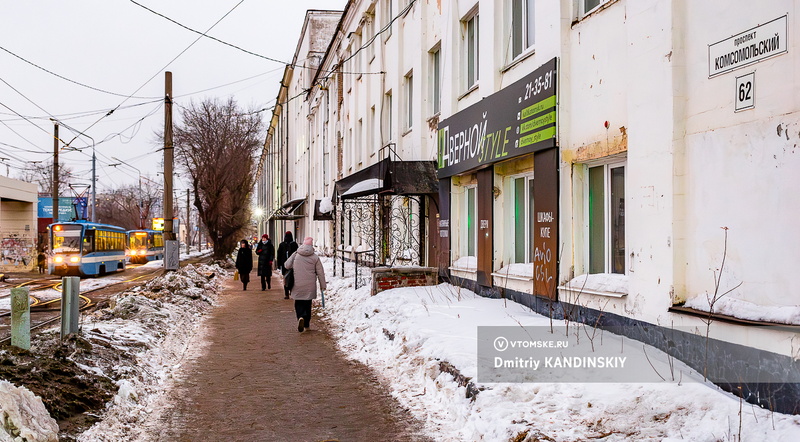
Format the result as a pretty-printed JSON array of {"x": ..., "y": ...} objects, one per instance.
[
  {"x": 471, "y": 60},
  {"x": 519, "y": 213},
  {"x": 522, "y": 26},
  {"x": 587, "y": 6},
  {"x": 606, "y": 218},
  {"x": 369, "y": 34},
  {"x": 386, "y": 13},
  {"x": 435, "y": 79},
  {"x": 468, "y": 223},
  {"x": 359, "y": 141},
  {"x": 352, "y": 147},
  {"x": 371, "y": 131},
  {"x": 358, "y": 66},
  {"x": 387, "y": 113},
  {"x": 409, "y": 101}
]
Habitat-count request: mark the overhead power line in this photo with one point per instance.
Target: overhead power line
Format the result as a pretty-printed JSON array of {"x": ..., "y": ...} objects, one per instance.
[
  {"x": 70, "y": 80},
  {"x": 203, "y": 34},
  {"x": 163, "y": 68},
  {"x": 75, "y": 115}
]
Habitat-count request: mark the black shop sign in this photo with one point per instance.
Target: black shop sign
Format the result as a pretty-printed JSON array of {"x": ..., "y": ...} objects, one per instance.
[{"x": 517, "y": 120}]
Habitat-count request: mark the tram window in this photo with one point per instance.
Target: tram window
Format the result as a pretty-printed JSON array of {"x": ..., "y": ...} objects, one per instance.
[
  {"x": 66, "y": 239},
  {"x": 63, "y": 244},
  {"x": 88, "y": 241}
]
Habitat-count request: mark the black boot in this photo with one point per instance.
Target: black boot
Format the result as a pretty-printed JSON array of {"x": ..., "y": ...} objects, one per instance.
[{"x": 245, "y": 286}]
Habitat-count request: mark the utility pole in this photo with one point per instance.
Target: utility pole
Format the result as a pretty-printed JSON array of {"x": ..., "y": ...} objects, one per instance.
[
  {"x": 55, "y": 172},
  {"x": 172, "y": 251},
  {"x": 188, "y": 223},
  {"x": 168, "y": 157}
]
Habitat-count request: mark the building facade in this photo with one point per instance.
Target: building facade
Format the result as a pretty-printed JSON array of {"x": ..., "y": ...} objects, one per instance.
[
  {"x": 621, "y": 163},
  {"x": 18, "y": 237}
]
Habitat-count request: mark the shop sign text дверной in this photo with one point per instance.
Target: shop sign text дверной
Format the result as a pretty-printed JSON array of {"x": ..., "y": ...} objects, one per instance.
[{"x": 516, "y": 120}]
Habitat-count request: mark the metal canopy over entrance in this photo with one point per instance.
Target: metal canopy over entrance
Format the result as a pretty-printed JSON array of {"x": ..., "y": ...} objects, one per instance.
[
  {"x": 289, "y": 211},
  {"x": 383, "y": 214},
  {"x": 390, "y": 177}
]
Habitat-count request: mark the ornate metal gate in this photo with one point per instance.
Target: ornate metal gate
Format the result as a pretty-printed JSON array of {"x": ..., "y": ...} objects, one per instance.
[{"x": 380, "y": 230}]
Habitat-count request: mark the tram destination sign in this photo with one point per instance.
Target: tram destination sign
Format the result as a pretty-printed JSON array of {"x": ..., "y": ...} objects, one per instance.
[
  {"x": 748, "y": 47},
  {"x": 517, "y": 120}
]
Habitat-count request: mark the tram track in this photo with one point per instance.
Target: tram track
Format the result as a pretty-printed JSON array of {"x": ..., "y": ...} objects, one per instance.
[{"x": 88, "y": 299}]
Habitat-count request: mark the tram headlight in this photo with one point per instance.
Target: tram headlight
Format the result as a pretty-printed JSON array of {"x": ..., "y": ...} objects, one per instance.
[
  {"x": 75, "y": 259},
  {"x": 133, "y": 252},
  {"x": 58, "y": 259}
]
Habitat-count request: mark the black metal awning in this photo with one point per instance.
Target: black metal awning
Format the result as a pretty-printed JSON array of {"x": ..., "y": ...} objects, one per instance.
[
  {"x": 390, "y": 177},
  {"x": 289, "y": 211}
]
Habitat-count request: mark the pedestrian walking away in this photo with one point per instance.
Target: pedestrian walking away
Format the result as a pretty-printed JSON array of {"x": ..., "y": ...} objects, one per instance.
[
  {"x": 266, "y": 255},
  {"x": 244, "y": 262},
  {"x": 307, "y": 269},
  {"x": 285, "y": 250}
]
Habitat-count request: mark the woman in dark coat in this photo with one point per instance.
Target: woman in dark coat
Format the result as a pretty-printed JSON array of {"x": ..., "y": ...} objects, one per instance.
[
  {"x": 266, "y": 254},
  {"x": 285, "y": 250},
  {"x": 244, "y": 262}
]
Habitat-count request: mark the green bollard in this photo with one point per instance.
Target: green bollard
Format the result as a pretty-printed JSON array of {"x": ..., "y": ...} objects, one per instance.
[
  {"x": 21, "y": 318},
  {"x": 70, "y": 304}
]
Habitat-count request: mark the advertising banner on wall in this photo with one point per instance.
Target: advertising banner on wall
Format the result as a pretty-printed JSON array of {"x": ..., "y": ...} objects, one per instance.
[
  {"x": 66, "y": 208},
  {"x": 517, "y": 120}
]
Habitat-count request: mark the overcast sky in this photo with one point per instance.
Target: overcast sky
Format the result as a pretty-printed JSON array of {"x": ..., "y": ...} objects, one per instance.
[{"x": 121, "y": 48}]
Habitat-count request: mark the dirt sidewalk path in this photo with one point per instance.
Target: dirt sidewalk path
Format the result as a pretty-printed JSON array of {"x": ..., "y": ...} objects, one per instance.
[{"x": 261, "y": 380}]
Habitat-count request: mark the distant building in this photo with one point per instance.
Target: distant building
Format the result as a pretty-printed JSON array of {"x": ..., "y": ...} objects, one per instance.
[{"x": 18, "y": 241}]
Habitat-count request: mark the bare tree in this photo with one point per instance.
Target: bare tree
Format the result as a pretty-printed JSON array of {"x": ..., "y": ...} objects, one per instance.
[
  {"x": 129, "y": 207},
  {"x": 42, "y": 174},
  {"x": 215, "y": 144}
]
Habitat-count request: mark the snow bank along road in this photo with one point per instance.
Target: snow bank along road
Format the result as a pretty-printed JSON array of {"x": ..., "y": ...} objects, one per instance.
[{"x": 181, "y": 351}]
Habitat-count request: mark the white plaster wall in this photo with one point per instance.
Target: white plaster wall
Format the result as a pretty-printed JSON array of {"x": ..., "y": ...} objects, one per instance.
[
  {"x": 739, "y": 177},
  {"x": 620, "y": 72},
  {"x": 740, "y": 170},
  {"x": 18, "y": 201},
  {"x": 593, "y": 89}
]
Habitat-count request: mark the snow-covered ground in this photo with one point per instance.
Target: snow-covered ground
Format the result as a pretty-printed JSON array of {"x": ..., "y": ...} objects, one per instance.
[
  {"x": 93, "y": 283},
  {"x": 152, "y": 325},
  {"x": 160, "y": 319},
  {"x": 405, "y": 334}
]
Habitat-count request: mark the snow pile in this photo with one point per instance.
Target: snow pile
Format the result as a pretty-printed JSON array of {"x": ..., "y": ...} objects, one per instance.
[
  {"x": 365, "y": 186},
  {"x": 154, "y": 323},
  {"x": 24, "y": 417},
  {"x": 422, "y": 342},
  {"x": 742, "y": 309},
  {"x": 599, "y": 283},
  {"x": 468, "y": 263},
  {"x": 521, "y": 270},
  {"x": 325, "y": 205}
]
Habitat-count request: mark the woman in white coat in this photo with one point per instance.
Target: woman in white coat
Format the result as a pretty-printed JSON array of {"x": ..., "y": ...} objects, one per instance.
[{"x": 307, "y": 270}]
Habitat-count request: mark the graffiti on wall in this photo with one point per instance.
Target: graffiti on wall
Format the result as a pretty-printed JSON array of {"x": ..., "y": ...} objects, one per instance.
[{"x": 17, "y": 252}]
